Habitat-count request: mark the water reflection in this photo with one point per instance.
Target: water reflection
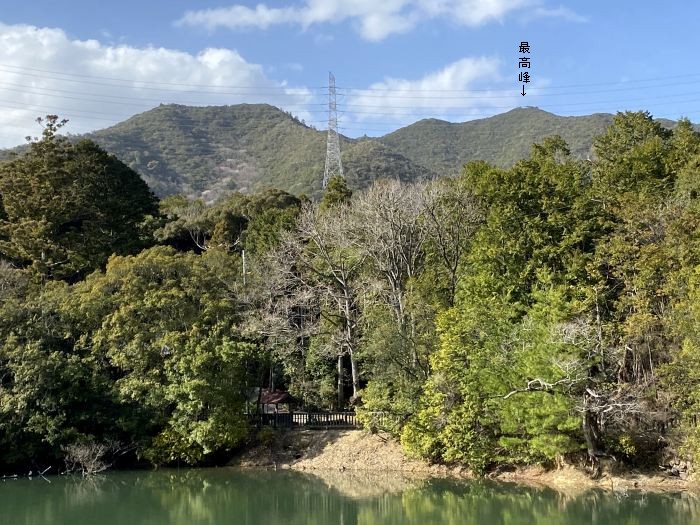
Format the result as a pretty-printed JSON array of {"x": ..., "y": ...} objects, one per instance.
[{"x": 223, "y": 496}]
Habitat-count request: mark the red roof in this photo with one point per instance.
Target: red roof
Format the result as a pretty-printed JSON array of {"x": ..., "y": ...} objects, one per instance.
[{"x": 275, "y": 397}]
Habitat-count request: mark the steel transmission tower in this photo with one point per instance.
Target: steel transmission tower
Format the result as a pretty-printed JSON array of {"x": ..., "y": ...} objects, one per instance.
[{"x": 334, "y": 166}]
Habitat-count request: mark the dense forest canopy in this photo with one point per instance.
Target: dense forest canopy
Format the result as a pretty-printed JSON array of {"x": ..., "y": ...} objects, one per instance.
[{"x": 503, "y": 316}]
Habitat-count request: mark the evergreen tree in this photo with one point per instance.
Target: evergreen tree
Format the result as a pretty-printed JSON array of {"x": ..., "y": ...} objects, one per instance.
[
  {"x": 67, "y": 207},
  {"x": 337, "y": 192}
]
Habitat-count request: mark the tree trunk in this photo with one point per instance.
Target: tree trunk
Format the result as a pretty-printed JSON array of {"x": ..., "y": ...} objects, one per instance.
[
  {"x": 591, "y": 433},
  {"x": 355, "y": 375},
  {"x": 350, "y": 337},
  {"x": 341, "y": 396}
]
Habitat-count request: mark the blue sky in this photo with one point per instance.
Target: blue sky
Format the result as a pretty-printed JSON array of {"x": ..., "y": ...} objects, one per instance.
[{"x": 396, "y": 61}]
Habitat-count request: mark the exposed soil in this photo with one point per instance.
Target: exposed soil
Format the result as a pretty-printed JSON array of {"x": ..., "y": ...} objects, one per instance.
[
  {"x": 360, "y": 453},
  {"x": 572, "y": 479},
  {"x": 338, "y": 450}
]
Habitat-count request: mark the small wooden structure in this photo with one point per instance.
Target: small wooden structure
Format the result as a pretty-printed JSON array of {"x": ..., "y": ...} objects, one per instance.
[
  {"x": 275, "y": 401},
  {"x": 266, "y": 401}
]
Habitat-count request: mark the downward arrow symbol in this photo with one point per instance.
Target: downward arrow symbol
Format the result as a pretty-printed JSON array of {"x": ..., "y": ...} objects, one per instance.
[{"x": 523, "y": 93}]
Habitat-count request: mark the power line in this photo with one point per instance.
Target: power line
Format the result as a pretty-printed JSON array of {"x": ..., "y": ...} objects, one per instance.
[
  {"x": 473, "y": 116},
  {"x": 563, "y": 86},
  {"x": 40, "y": 90},
  {"x": 340, "y": 88},
  {"x": 592, "y": 102},
  {"x": 150, "y": 82},
  {"x": 440, "y": 111},
  {"x": 508, "y": 93},
  {"x": 284, "y": 91},
  {"x": 417, "y": 110},
  {"x": 136, "y": 101},
  {"x": 290, "y": 92}
]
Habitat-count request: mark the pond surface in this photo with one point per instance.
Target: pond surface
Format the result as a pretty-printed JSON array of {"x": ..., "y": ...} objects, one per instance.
[{"x": 225, "y": 496}]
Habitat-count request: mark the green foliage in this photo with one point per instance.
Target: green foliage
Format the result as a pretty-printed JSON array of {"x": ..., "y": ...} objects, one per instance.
[
  {"x": 481, "y": 405},
  {"x": 455, "y": 423},
  {"x": 252, "y": 222},
  {"x": 164, "y": 324},
  {"x": 504, "y": 378},
  {"x": 270, "y": 213},
  {"x": 145, "y": 353},
  {"x": 541, "y": 217},
  {"x": 263, "y": 232},
  {"x": 648, "y": 260},
  {"x": 682, "y": 374},
  {"x": 539, "y": 425},
  {"x": 267, "y": 436},
  {"x": 396, "y": 359},
  {"x": 67, "y": 207},
  {"x": 336, "y": 193},
  {"x": 53, "y": 391}
]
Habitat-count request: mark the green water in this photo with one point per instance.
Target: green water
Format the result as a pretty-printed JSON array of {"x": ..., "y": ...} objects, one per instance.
[{"x": 224, "y": 496}]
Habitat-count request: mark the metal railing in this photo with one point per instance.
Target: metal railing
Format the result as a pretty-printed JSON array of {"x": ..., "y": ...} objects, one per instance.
[{"x": 312, "y": 420}]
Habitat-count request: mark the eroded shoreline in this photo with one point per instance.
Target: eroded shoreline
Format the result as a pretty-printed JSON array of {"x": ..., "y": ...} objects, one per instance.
[{"x": 328, "y": 452}]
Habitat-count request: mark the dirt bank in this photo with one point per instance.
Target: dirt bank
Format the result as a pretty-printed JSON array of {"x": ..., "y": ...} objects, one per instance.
[
  {"x": 572, "y": 479},
  {"x": 358, "y": 451},
  {"x": 338, "y": 450}
]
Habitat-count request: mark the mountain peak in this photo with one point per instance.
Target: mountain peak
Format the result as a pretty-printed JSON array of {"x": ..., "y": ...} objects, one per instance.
[{"x": 207, "y": 151}]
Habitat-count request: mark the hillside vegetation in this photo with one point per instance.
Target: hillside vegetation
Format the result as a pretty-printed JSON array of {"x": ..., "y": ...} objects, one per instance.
[
  {"x": 206, "y": 152},
  {"x": 501, "y": 140}
]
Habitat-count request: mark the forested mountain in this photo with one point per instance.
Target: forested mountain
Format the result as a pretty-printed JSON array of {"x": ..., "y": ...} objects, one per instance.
[
  {"x": 501, "y": 140},
  {"x": 208, "y": 151},
  {"x": 211, "y": 150}
]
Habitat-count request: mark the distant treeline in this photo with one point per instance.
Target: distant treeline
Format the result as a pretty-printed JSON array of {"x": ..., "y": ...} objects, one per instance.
[{"x": 504, "y": 316}]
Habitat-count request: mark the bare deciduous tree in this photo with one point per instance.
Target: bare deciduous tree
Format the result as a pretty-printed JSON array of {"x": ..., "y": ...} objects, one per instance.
[
  {"x": 389, "y": 229},
  {"x": 452, "y": 215},
  {"x": 283, "y": 307},
  {"x": 313, "y": 274},
  {"x": 334, "y": 263},
  {"x": 90, "y": 457}
]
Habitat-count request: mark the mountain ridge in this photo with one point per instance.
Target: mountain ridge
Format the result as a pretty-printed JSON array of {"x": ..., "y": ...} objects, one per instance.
[{"x": 206, "y": 152}]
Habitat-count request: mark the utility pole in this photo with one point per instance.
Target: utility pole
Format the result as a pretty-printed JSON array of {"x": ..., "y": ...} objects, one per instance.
[{"x": 334, "y": 166}]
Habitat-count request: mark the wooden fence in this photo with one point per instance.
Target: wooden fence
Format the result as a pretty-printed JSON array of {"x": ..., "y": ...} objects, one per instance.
[
  {"x": 384, "y": 421},
  {"x": 311, "y": 420}
]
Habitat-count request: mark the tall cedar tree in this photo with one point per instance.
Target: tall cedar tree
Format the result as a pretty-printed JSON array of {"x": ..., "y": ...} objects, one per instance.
[{"x": 67, "y": 207}]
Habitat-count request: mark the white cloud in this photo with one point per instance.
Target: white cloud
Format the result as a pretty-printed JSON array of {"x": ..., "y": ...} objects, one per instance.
[
  {"x": 559, "y": 12},
  {"x": 456, "y": 92},
  {"x": 241, "y": 16},
  {"x": 374, "y": 19},
  {"x": 42, "y": 71}
]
